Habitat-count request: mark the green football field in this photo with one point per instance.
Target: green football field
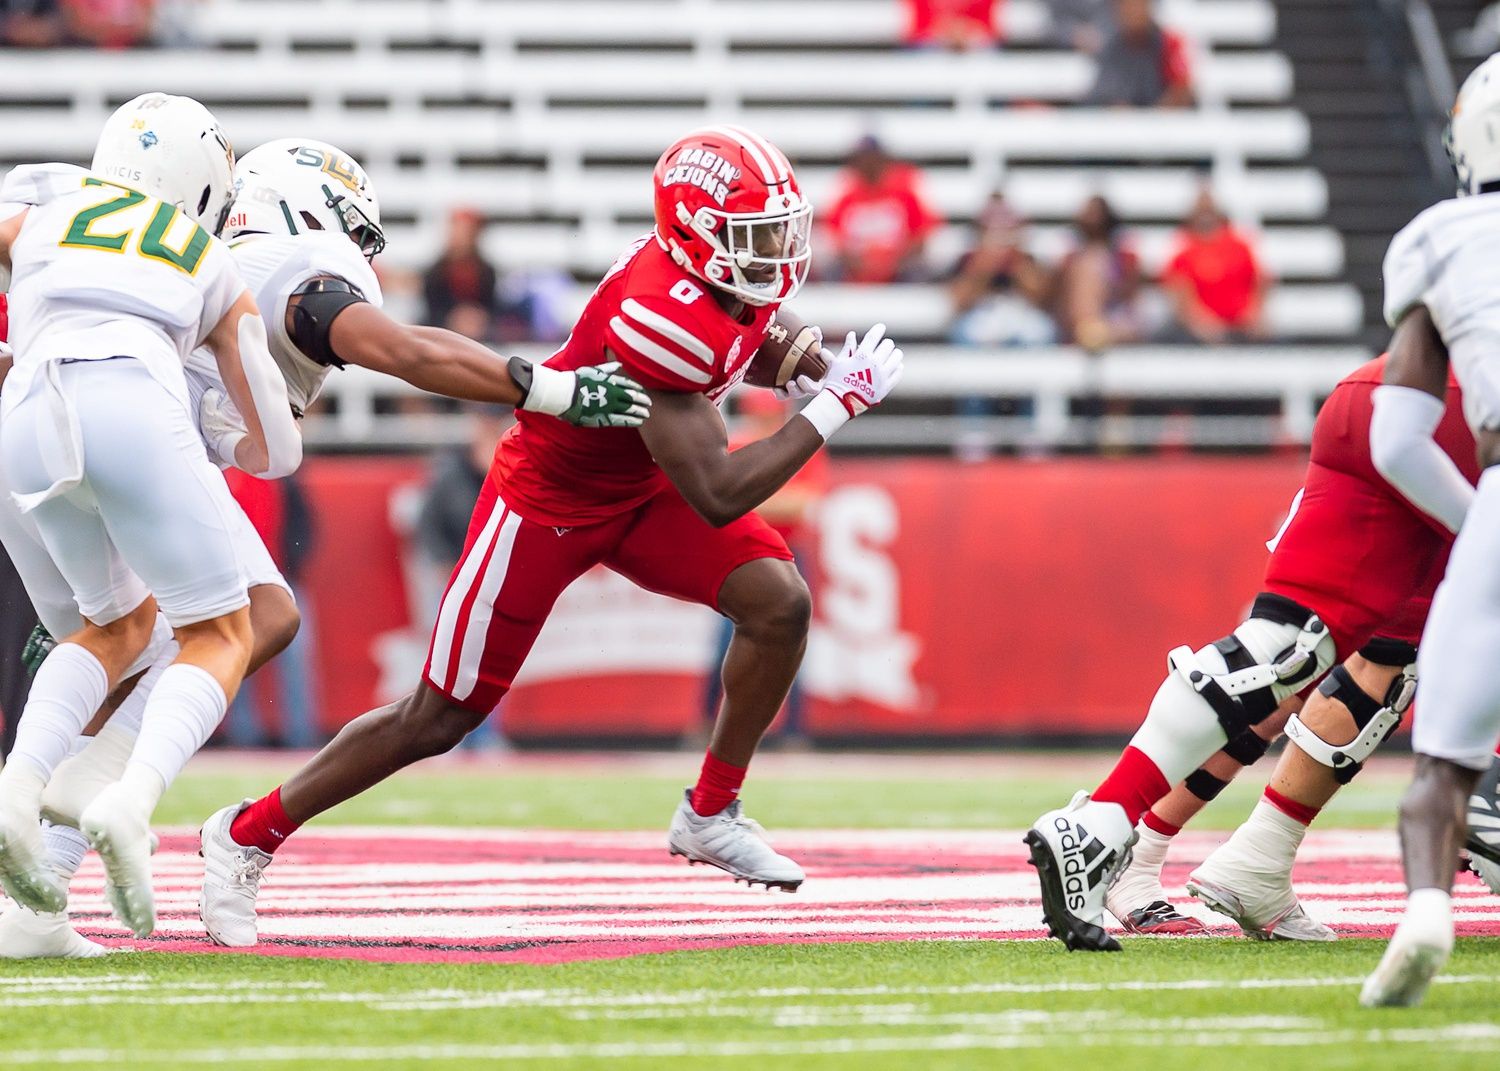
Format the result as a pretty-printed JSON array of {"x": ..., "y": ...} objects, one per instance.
[{"x": 978, "y": 1003}]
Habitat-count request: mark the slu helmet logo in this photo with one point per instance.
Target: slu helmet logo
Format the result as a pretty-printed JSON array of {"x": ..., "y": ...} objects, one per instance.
[{"x": 149, "y": 139}]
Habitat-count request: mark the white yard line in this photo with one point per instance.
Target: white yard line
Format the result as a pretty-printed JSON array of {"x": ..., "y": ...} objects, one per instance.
[
  {"x": 129, "y": 990},
  {"x": 1026, "y": 1037}
]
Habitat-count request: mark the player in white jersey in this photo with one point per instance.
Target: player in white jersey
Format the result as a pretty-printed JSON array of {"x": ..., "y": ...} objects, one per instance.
[
  {"x": 279, "y": 185},
  {"x": 1442, "y": 297},
  {"x": 113, "y": 285}
]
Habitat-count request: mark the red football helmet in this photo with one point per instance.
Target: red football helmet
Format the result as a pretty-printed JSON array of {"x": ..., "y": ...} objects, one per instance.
[{"x": 729, "y": 210}]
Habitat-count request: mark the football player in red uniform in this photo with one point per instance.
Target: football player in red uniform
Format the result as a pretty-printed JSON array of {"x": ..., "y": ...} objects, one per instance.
[
  {"x": 1347, "y": 588},
  {"x": 669, "y": 506}
]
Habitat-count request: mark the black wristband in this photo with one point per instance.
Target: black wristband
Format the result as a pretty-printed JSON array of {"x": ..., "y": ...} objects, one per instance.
[{"x": 520, "y": 375}]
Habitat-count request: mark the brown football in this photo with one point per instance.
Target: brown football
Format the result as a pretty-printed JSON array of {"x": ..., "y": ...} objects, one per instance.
[{"x": 791, "y": 349}]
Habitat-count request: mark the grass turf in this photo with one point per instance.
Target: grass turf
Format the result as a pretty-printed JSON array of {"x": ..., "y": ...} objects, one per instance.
[
  {"x": 784, "y": 792},
  {"x": 1160, "y": 1004}
]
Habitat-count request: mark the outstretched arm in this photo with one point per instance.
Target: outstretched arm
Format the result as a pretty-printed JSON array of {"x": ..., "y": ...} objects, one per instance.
[
  {"x": 1409, "y": 406},
  {"x": 447, "y": 363}
]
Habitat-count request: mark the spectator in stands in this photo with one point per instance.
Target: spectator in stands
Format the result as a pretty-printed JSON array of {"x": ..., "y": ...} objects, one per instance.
[
  {"x": 1214, "y": 280},
  {"x": 1000, "y": 292},
  {"x": 461, "y": 276},
  {"x": 286, "y": 714},
  {"x": 1096, "y": 298},
  {"x": 1142, "y": 65},
  {"x": 110, "y": 23},
  {"x": 442, "y": 525},
  {"x": 31, "y": 23},
  {"x": 954, "y": 25},
  {"x": 792, "y": 511},
  {"x": 879, "y": 220}
]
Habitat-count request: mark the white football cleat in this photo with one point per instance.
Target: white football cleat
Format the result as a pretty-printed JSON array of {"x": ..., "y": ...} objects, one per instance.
[
  {"x": 28, "y": 935},
  {"x": 232, "y": 874},
  {"x": 733, "y": 843},
  {"x": 1257, "y": 896},
  {"x": 1418, "y": 950},
  {"x": 25, "y": 873},
  {"x": 1078, "y": 851},
  {"x": 121, "y": 834}
]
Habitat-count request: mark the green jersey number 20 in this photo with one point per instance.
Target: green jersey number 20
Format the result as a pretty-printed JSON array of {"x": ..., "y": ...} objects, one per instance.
[{"x": 90, "y": 229}]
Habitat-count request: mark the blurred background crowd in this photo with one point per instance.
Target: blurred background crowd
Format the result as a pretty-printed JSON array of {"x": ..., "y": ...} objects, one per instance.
[{"x": 1124, "y": 229}]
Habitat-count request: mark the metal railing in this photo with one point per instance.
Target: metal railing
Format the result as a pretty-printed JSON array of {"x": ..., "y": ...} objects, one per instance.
[{"x": 1065, "y": 398}]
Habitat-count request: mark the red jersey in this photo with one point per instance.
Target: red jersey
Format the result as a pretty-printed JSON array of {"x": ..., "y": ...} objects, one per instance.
[
  {"x": 671, "y": 334},
  {"x": 1341, "y": 436},
  {"x": 873, "y": 223},
  {"x": 1354, "y": 550},
  {"x": 4, "y": 318},
  {"x": 1222, "y": 270}
]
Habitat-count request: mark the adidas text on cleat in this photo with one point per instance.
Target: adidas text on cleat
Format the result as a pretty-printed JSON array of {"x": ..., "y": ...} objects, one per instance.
[
  {"x": 1078, "y": 851},
  {"x": 231, "y": 881},
  {"x": 27, "y": 935},
  {"x": 733, "y": 843},
  {"x": 121, "y": 834},
  {"x": 25, "y": 874}
]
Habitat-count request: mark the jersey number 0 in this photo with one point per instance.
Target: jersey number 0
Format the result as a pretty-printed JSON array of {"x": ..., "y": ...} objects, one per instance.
[{"x": 152, "y": 243}]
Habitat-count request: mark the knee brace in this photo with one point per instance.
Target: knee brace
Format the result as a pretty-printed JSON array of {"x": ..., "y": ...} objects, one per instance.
[
  {"x": 1278, "y": 649},
  {"x": 1374, "y": 720}
]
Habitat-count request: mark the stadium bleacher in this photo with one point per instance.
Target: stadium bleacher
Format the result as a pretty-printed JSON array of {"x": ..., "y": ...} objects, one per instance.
[{"x": 547, "y": 117}]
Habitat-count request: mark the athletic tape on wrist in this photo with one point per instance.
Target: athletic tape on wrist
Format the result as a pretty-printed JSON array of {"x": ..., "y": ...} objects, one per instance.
[
  {"x": 826, "y": 413},
  {"x": 551, "y": 391}
]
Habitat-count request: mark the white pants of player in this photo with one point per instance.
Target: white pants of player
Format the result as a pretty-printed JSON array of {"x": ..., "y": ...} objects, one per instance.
[
  {"x": 1458, "y": 711},
  {"x": 150, "y": 515}
]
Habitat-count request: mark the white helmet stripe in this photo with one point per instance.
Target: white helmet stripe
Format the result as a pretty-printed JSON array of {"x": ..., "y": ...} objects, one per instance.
[
  {"x": 779, "y": 162},
  {"x": 753, "y": 147}
]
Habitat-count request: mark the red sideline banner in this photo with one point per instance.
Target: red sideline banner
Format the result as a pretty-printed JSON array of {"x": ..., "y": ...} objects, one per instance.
[{"x": 1005, "y": 598}]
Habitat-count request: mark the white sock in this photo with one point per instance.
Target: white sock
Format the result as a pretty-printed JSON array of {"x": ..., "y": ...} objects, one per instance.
[
  {"x": 68, "y": 691},
  {"x": 1150, "y": 850},
  {"x": 1269, "y": 837},
  {"x": 185, "y": 708},
  {"x": 66, "y": 848}
]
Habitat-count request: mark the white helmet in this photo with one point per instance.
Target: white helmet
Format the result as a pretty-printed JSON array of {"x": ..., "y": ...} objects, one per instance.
[
  {"x": 1473, "y": 135},
  {"x": 170, "y": 148},
  {"x": 297, "y": 185}
]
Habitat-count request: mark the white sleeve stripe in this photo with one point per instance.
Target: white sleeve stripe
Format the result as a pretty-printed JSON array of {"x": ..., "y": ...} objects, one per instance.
[
  {"x": 634, "y": 310},
  {"x": 658, "y": 353}
]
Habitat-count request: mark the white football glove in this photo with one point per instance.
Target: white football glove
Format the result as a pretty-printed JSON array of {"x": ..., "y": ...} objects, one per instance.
[
  {"x": 5, "y": 350},
  {"x": 220, "y": 424},
  {"x": 862, "y": 375},
  {"x": 858, "y": 379}
]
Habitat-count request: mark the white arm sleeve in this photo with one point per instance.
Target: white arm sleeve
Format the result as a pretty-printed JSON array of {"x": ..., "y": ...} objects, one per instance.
[
  {"x": 268, "y": 391},
  {"x": 1404, "y": 452}
]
